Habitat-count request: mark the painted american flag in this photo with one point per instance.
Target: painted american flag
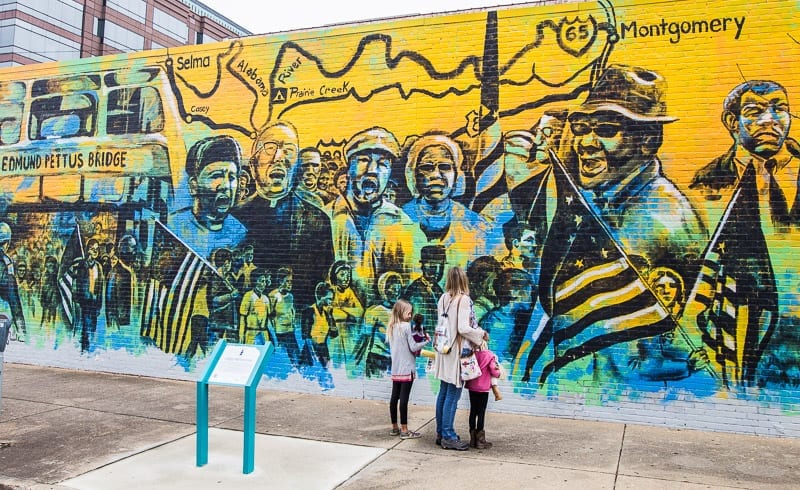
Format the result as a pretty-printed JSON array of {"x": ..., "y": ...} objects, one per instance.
[
  {"x": 590, "y": 288},
  {"x": 734, "y": 302}
]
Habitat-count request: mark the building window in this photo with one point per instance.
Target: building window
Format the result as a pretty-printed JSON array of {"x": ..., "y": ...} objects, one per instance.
[
  {"x": 122, "y": 38},
  {"x": 67, "y": 14},
  {"x": 36, "y": 43},
  {"x": 135, "y": 9},
  {"x": 171, "y": 26},
  {"x": 100, "y": 28}
]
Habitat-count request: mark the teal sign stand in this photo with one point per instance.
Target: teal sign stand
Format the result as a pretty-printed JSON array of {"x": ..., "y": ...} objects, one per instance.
[{"x": 232, "y": 365}]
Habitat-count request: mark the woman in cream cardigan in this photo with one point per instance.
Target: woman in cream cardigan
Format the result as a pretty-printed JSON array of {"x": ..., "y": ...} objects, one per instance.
[{"x": 456, "y": 304}]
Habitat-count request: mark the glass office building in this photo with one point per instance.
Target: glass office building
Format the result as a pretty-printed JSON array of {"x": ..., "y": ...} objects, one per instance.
[{"x": 33, "y": 31}]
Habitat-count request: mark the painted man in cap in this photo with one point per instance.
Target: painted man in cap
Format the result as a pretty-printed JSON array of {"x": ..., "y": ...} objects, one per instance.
[
  {"x": 286, "y": 230},
  {"x": 213, "y": 166},
  {"x": 617, "y": 133},
  {"x": 424, "y": 292},
  {"x": 372, "y": 234}
]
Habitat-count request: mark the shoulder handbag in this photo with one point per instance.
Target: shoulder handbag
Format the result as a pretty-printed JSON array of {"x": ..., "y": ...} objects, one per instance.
[
  {"x": 470, "y": 369},
  {"x": 442, "y": 342}
]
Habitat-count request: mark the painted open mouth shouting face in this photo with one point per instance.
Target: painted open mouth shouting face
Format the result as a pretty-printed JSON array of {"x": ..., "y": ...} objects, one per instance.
[
  {"x": 369, "y": 175},
  {"x": 215, "y": 188},
  {"x": 275, "y": 154},
  {"x": 602, "y": 146},
  {"x": 223, "y": 202},
  {"x": 367, "y": 189},
  {"x": 277, "y": 178}
]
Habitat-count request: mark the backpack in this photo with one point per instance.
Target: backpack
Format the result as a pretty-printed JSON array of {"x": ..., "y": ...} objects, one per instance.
[{"x": 442, "y": 341}]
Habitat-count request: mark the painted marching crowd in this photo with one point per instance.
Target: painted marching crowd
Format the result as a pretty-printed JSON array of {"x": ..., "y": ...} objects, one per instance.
[{"x": 587, "y": 263}]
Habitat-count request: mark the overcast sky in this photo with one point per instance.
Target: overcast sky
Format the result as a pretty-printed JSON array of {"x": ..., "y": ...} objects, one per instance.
[{"x": 276, "y": 15}]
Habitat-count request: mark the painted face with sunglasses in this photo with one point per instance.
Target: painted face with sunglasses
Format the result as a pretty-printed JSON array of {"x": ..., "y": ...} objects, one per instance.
[{"x": 606, "y": 149}]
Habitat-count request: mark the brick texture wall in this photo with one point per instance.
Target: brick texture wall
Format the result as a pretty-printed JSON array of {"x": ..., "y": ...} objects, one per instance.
[{"x": 618, "y": 180}]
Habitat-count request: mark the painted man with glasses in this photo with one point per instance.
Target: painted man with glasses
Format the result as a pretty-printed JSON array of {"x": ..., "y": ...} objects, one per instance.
[
  {"x": 286, "y": 230},
  {"x": 613, "y": 160},
  {"x": 616, "y": 135},
  {"x": 756, "y": 114}
]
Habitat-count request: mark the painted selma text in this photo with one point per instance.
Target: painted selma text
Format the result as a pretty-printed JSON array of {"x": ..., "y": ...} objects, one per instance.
[{"x": 676, "y": 29}]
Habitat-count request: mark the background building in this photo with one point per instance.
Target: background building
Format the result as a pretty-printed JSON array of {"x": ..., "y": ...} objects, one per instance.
[{"x": 33, "y": 31}]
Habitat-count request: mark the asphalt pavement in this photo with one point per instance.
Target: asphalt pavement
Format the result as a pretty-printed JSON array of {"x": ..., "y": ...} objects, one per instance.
[{"x": 63, "y": 428}]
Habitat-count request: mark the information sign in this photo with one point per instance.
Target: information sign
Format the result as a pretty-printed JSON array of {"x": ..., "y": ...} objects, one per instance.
[{"x": 232, "y": 365}]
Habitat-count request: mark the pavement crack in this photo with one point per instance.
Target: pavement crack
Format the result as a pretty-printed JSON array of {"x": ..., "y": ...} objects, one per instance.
[{"x": 619, "y": 456}]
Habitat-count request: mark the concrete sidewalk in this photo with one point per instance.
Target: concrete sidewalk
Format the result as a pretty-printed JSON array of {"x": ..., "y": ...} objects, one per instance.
[{"x": 73, "y": 429}]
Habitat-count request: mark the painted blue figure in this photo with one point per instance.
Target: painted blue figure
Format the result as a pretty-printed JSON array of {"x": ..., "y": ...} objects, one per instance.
[
  {"x": 662, "y": 358},
  {"x": 48, "y": 294},
  {"x": 212, "y": 165},
  {"x": 756, "y": 114},
  {"x": 617, "y": 133},
  {"x": 482, "y": 273},
  {"x": 318, "y": 325},
  {"x": 370, "y": 233},
  {"x": 223, "y": 319},
  {"x": 254, "y": 310},
  {"x": 121, "y": 282},
  {"x": 434, "y": 178},
  {"x": 528, "y": 171},
  {"x": 373, "y": 346},
  {"x": 87, "y": 292},
  {"x": 347, "y": 311},
  {"x": 9, "y": 291},
  {"x": 508, "y": 322},
  {"x": 282, "y": 312},
  {"x": 424, "y": 292}
]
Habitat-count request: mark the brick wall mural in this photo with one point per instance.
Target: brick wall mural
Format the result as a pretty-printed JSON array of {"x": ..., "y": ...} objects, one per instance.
[{"x": 619, "y": 180}]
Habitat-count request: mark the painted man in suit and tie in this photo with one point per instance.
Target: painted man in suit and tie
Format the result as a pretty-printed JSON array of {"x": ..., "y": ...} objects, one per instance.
[{"x": 756, "y": 114}]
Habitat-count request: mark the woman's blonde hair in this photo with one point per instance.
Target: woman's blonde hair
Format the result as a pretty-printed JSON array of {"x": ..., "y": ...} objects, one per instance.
[
  {"x": 401, "y": 312},
  {"x": 457, "y": 282}
]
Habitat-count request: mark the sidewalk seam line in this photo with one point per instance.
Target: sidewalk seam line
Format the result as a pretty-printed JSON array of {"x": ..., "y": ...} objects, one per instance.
[{"x": 619, "y": 456}]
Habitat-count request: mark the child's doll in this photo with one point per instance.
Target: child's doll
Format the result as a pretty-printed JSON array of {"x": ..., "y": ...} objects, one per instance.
[
  {"x": 418, "y": 332},
  {"x": 495, "y": 388}
]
